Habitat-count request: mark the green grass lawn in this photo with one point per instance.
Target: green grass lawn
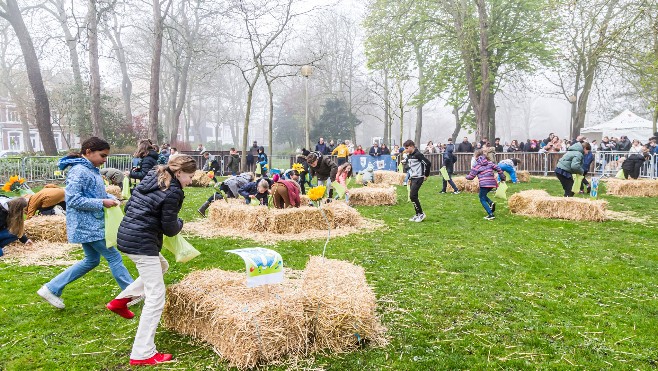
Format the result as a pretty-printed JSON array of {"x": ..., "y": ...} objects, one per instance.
[{"x": 456, "y": 292}]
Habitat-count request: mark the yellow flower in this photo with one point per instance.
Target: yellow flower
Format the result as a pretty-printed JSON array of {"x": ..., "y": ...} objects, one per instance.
[
  {"x": 211, "y": 174},
  {"x": 317, "y": 193},
  {"x": 297, "y": 166},
  {"x": 6, "y": 187}
]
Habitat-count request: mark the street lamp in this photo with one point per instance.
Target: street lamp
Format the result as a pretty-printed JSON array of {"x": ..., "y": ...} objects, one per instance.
[{"x": 306, "y": 72}]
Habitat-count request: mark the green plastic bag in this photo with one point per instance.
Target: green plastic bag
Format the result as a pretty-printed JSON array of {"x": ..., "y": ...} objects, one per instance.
[
  {"x": 125, "y": 190},
  {"x": 340, "y": 189},
  {"x": 501, "y": 192},
  {"x": 181, "y": 249},
  {"x": 577, "y": 181},
  {"x": 400, "y": 168},
  {"x": 444, "y": 173},
  {"x": 507, "y": 176},
  {"x": 409, "y": 191},
  {"x": 258, "y": 169},
  {"x": 620, "y": 174},
  {"x": 113, "y": 217}
]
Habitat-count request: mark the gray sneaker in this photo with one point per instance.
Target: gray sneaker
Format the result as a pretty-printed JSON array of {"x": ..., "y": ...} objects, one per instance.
[
  {"x": 51, "y": 298},
  {"x": 420, "y": 218},
  {"x": 413, "y": 218}
]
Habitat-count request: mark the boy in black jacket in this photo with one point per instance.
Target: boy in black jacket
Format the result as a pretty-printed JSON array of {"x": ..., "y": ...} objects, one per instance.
[
  {"x": 419, "y": 170},
  {"x": 324, "y": 168}
]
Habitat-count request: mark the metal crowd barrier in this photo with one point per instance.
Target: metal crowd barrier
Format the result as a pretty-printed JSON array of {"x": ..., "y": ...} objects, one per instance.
[{"x": 44, "y": 168}]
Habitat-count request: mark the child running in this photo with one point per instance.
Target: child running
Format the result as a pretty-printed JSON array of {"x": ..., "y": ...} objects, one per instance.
[
  {"x": 151, "y": 212},
  {"x": 419, "y": 170},
  {"x": 12, "y": 222},
  {"x": 86, "y": 199},
  {"x": 484, "y": 169}
]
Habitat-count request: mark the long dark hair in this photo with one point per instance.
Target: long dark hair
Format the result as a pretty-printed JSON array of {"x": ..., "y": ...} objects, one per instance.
[
  {"x": 15, "y": 221},
  {"x": 92, "y": 144}
]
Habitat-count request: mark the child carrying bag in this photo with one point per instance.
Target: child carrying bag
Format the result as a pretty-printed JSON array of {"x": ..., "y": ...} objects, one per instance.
[
  {"x": 181, "y": 249},
  {"x": 113, "y": 217}
]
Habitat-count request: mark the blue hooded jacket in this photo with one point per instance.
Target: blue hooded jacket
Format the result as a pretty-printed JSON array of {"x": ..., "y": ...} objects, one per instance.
[{"x": 84, "y": 194}]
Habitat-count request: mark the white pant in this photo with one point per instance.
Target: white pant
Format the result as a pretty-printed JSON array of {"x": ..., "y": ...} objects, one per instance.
[{"x": 150, "y": 283}]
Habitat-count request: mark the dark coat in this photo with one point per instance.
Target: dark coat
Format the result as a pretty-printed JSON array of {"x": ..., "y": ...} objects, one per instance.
[
  {"x": 325, "y": 169},
  {"x": 150, "y": 214},
  {"x": 465, "y": 147},
  {"x": 322, "y": 148},
  {"x": 148, "y": 162}
]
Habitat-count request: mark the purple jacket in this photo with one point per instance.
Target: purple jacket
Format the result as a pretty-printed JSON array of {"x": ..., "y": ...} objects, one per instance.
[{"x": 484, "y": 169}]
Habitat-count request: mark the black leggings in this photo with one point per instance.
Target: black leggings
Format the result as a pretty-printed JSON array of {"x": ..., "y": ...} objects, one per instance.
[
  {"x": 413, "y": 195},
  {"x": 567, "y": 184}
]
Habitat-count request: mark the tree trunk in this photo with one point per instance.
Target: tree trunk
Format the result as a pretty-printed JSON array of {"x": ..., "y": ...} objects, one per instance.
[
  {"x": 80, "y": 117},
  {"x": 492, "y": 118},
  {"x": 458, "y": 124},
  {"x": 42, "y": 105},
  {"x": 247, "y": 116},
  {"x": 421, "y": 92},
  {"x": 154, "y": 89},
  {"x": 387, "y": 108},
  {"x": 401, "y": 107},
  {"x": 181, "y": 99},
  {"x": 271, "y": 115},
  {"x": 126, "y": 85},
  {"x": 94, "y": 70},
  {"x": 482, "y": 112}
]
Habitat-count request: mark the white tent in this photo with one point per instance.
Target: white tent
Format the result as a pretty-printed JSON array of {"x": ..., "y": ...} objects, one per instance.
[{"x": 627, "y": 123}]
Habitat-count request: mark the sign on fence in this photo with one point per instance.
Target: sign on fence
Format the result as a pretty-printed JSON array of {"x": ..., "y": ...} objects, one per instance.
[{"x": 383, "y": 162}]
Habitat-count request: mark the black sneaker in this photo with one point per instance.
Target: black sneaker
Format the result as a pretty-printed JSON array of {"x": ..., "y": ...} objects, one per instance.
[
  {"x": 493, "y": 207},
  {"x": 442, "y": 192}
]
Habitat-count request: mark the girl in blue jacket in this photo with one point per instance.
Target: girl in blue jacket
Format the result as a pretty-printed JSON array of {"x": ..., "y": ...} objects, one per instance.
[{"x": 86, "y": 199}]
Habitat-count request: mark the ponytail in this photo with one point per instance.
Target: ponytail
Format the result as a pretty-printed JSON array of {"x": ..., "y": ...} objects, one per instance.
[{"x": 166, "y": 173}]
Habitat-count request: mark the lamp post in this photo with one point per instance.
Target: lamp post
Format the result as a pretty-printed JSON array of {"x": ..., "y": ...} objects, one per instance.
[{"x": 306, "y": 72}]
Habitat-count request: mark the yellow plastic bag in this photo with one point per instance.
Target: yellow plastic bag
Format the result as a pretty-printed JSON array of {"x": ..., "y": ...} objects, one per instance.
[
  {"x": 258, "y": 169},
  {"x": 577, "y": 181},
  {"x": 125, "y": 190},
  {"x": 620, "y": 174},
  {"x": 181, "y": 249},
  {"x": 501, "y": 192},
  {"x": 113, "y": 217}
]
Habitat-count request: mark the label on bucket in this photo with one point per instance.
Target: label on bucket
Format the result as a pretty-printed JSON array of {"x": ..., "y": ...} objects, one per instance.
[{"x": 263, "y": 266}]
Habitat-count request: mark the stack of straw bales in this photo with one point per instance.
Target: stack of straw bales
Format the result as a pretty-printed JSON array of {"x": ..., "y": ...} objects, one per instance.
[
  {"x": 51, "y": 228},
  {"x": 200, "y": 179},
  {"x": 330, "y": 308},
  {"x": 373, "y": 196},
  {"x": 632, "y": 187},
  {"x": 540, "y": 204},
  {"x": 464, "y": 185},
  {"x": 114, "y": 191},
  {"x": 523, "y": 176},
  {"x": 282, "y": 221},
  {"x": 389, "y": 177}
]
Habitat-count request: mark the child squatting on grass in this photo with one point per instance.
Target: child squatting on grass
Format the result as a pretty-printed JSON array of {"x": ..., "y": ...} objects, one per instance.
[
  {"x": 571, "y": 163},
  {"x": 12, "y": 222},
  {"x": 419, "y": 170},
  {"x": 151, "y": 212},
  {"x": 484, "y": 169},
  {"x": 86, "y": 199}
]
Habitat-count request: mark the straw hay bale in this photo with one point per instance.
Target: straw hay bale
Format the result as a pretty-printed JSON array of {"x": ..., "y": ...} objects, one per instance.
[
  {"x": 246, "y": 326},
  {"x": 281, "y": 221},
  {"x": 538, "y": 203},
  {"x": 340, "y": 305},
  {"x": 389, "y": 177},
  {"x": 523, "y": 176},
  {"x": 42, "y": 253},
  {"x": 114, "y": 191},
  {"x": 200, "y": 179},
  {"x": 464, "y": 185},
  {"x": 328, "y": 307},
  {"x": 304, "y": 200},
  {"x": 373, "y": 196},
  {"x": 50, "y": 228},
  {"x": 632, "y": 187}
]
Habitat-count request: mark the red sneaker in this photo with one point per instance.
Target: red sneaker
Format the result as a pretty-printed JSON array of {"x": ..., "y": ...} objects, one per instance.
[
  {"x": 157, "y": 358},
  {"x": 120, "y": 307}
]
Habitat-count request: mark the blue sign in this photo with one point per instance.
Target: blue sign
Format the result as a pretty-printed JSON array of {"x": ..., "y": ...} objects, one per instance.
[{"x": 383, "y": 162}]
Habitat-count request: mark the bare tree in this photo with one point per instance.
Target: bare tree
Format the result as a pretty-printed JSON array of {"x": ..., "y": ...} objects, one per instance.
[
  {"x": 154, "y": 91},
  {"x": 12, "y": 13},
  {"x": 113, "y": 29},
  {"x": 94, "y": 69}
]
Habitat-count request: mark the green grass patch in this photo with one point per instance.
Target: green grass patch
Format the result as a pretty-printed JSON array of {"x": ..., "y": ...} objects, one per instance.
[{"x": 455, "y": 292}]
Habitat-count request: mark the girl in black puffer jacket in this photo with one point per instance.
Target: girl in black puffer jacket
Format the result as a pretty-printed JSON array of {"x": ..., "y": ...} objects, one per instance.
[{"x": 151, "y": 212}]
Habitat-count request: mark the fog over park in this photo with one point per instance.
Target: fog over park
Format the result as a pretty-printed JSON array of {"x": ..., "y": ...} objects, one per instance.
[{"x": 227, "y": 73}]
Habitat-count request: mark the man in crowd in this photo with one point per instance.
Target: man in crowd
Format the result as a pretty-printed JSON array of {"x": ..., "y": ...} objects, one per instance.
[
  {"x": 465, "y": 146},
  {"x": 375, "y": 150},
  {"x": 322, "y": 147}
]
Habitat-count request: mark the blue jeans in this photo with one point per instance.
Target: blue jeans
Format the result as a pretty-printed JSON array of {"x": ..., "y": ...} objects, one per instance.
[
  {"x": 93, "y": 252},
  {"x": 485, "y": 200},
  {"x": 510, "y": 170},
  {"x": 6, "y": 238}
]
